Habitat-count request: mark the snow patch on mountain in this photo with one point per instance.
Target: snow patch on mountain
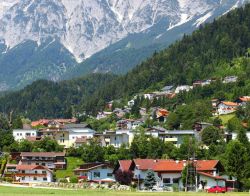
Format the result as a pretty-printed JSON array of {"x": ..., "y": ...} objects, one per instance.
[{"x": 85, "y": 27}]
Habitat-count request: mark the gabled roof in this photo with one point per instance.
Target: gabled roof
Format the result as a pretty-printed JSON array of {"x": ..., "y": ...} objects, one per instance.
[
  {"x": 76, "y": 126},
  {"x": 174, "y": 166},
  {"x": 91, "y": 166},
  {"x": 125, "y": 165},
  {"x": 42, "y": 154},
  {"x": 32, "y": 167},
  {"x": 245, "y": 99},
  {"x": 211, "y": 176},
  {"x": 145, "y": 164},
  {"x": 228, "y": 103}
]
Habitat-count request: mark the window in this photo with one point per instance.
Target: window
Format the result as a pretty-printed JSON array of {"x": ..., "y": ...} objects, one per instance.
[
  {"x": 35, "y": 172},
  {"x": 33, "y": 133},
  {"x": 109, "y": 174},
  {"x": 23, "y": 172},
  {"x": 44, "y": 179},
  {"x": 97, "y": 175},
  {"x": 17, "y": 134},
  {"x": 175, "y": 180},
  {"x": 21, "y": 134},
  {"x": 35, "y": 178},
  {"x": 43, "y": 164},
  {"x": 43, "y": 172},
  {"x": 166, "y": 180},
  {"x": 28, "y": 134},
  {"x": 23, "y": 178},
  {"x": 104, "y": 167}
]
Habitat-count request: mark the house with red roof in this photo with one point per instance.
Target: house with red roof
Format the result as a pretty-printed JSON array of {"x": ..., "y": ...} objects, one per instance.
[
  {"x": 33, "y": 174},
  {"x": 242, "y": 101},
  {"x": 168, "y": 173},
  {"x": 227, "y": 107}
]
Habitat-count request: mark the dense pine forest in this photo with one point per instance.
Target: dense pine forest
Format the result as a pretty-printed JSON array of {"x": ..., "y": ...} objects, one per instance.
[{"x": 214, "y": 51}]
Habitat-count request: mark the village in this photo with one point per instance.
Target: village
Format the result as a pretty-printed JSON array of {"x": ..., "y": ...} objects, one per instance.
[{"x": 167, "y": 174}]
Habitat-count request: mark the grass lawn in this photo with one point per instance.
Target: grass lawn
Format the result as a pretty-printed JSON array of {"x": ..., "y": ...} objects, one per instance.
[
  {"x": 72, "y": 163},
  {"x": 10, "y": 191},
  {"x": 226, "y": 118}
]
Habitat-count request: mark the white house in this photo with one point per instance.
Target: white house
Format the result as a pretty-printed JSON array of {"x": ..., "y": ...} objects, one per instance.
[
  {"x": 96, "y": 172},
  {"x": 20, "y": 134},
  {"x": 226, "y": 107},
  {"x": 183, "y": 88},
  {"x": 149, "y": 96},
  {"x": 117, "y": 138},
  {"x": 230, "y": 79},
  {"x": 33, "y": 174},
  {"x": 168, "y": 173}
]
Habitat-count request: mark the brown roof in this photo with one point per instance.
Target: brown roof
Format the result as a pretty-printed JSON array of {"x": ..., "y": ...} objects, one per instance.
[
  {"x": 90, "y": 166},
  {"x": 42, "y": 154}
]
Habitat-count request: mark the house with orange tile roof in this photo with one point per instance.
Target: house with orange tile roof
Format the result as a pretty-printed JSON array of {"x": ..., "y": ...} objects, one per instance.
[
  {"x": 227, "y": 107},
  {"x": 242, "y": 101},
  {"x": 168, "y": 173}
]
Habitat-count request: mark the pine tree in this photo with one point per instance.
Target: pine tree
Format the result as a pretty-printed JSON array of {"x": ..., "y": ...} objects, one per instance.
[{"x": 150, "y": 180}]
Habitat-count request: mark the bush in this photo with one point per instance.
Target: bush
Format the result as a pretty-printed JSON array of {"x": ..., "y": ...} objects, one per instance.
[
  {"x": 7, "y": 179},
  {"x": 73, "y": 179},
  {"x": 63, "y": 180}
]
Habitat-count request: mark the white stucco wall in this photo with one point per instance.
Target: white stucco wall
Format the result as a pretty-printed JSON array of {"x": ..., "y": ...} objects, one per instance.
[{"x": 20, "y": 134}]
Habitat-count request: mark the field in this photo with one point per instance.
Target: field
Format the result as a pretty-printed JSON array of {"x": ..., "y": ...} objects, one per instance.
[
  {"x": 72, "y": 163},
  {"x": 11, "y": 191}
]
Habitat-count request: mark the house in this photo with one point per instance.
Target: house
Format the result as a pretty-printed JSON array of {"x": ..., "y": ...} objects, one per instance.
[
  {"x": 226, "y": 107},
  {"x": 149, "y": 96},
  {"x": 183, "y": 88},
  {"x": 116, "y": 138},
  {"x": 76, "y": 131},
  {"x": 129, "y": 124},
  {"x": 230, "y": 79},
  {"x": 242, "y": 101},
  {"x": 174, "y": 136},
  {"x": 199, "y": 126},
  {"x": 102, "y": 115},
  {"x": 162, "y": 114},
  {"x": 67, "y": 134},
  {"x": 131, "y": 103},
  {"x": 168, "y": 173},
  {"x": 168, "y": 89},
  {"x": 20, "y": 134},
  {"x": 46, "y": 122},
  {"x": 201, "y": 83},
  {"x": 96, "y": 172},
  {"x": 207, "y": 171},
  {"x": 51, "y": 160},
  {"x": 33, "y": 174}
]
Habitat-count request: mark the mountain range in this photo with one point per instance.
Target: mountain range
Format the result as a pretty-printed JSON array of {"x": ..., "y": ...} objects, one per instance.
[
  {"x": 214, "y": 51},
  {"x": 62, "y": 39}
]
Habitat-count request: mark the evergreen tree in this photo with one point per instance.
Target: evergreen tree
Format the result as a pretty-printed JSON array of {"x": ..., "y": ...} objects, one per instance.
[{"x": 150, "y": 180}]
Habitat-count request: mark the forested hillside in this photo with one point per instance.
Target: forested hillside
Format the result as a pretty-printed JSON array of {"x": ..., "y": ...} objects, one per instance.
[
  {"x": 215, "y": 50},
  {"x": 51, "y": 99}
]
